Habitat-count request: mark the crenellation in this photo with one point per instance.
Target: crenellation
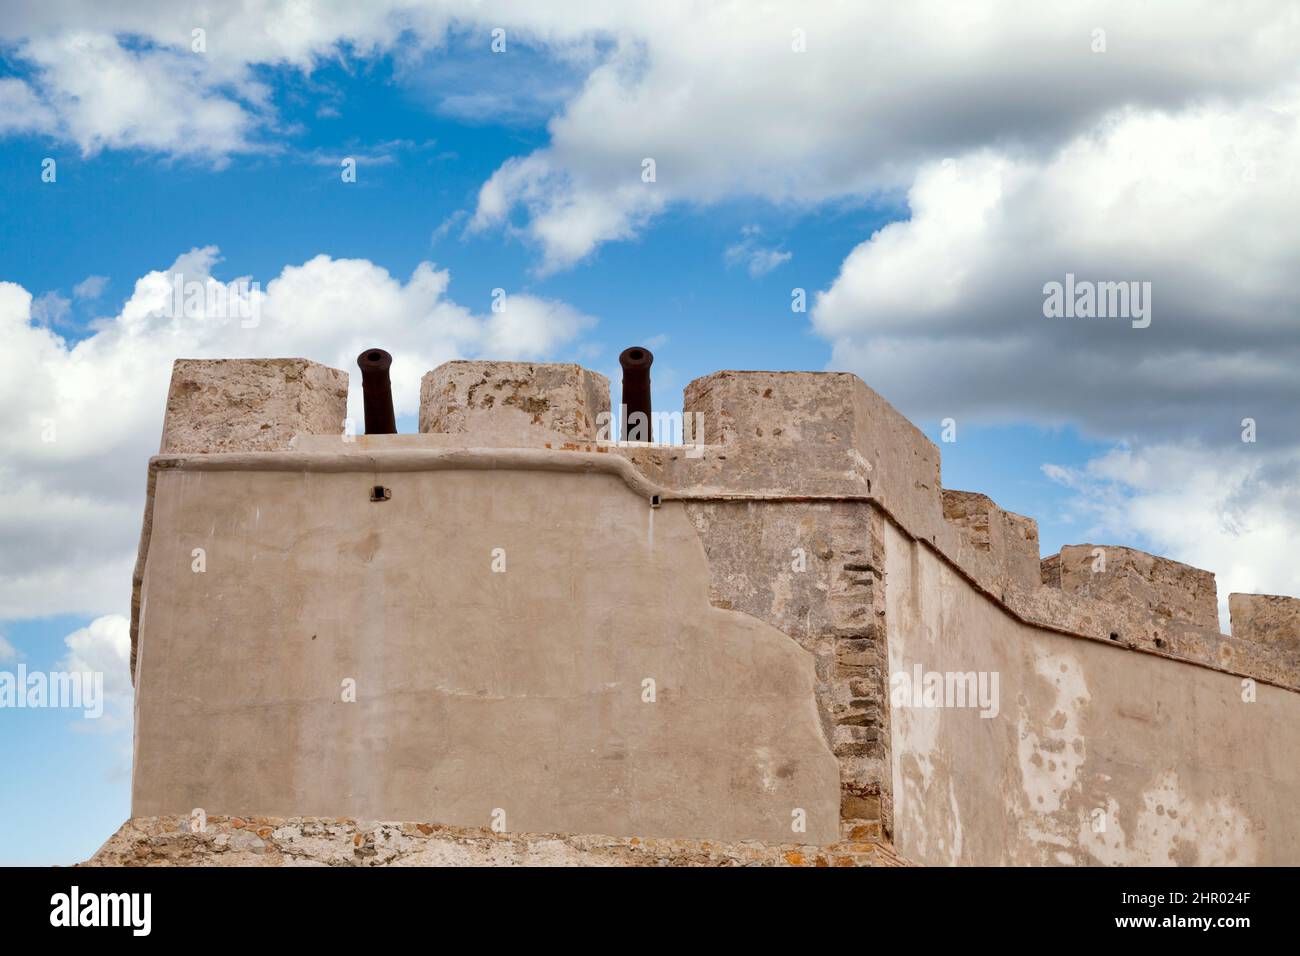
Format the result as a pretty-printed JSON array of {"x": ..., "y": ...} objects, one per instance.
[
  {"x": 1050, "y": 571},
  {"x": 233, "y": 405},
  {"x": 1009, "y": 540},
  {"x": 1169, "y": 590},
  {"x": 1268, "y": 620},
  {"x": 524, "y": 402}
]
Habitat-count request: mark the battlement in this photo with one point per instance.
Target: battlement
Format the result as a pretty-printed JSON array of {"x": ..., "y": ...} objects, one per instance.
[
  {"x": 500, "y": 587},
  {"x": 513, "y": 401}
]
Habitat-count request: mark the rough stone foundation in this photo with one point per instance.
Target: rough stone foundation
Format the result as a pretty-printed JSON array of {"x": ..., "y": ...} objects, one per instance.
[{"x": 318, "y": 841}]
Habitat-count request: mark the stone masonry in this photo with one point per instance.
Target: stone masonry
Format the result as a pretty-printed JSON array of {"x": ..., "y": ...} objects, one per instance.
[{"x": 1011, "y": 540}]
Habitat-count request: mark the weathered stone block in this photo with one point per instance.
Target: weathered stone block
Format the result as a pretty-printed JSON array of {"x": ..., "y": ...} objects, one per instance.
[
  {"x": 504, "y": 400},
  {"x": 228, "y": 405},
  {"x": 855, "y": 806},
  {"x": 1009, "y": 539},
  {"x": 1268, "y": 619},
  {"x": 1170, "y": 590},
  {"x": 1050, "y": 570}
]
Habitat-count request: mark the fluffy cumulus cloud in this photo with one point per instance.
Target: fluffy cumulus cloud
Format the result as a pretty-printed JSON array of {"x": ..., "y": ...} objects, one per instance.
[
  {"x": 101, "y": 94},
  {"x": 102, "y": 647},
  {"x": 1196, "y": 205},
  {"x": 78, "y": 420},
  {"x": 803, "y": 103},
  {"x": 175, "y": 78},
  {"x": 792, "y": 102}
]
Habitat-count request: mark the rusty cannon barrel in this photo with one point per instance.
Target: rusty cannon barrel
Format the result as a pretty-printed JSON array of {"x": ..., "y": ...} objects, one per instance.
[
  {"x": 636, "y": 363},
  {"x": 377, "y": 392}
]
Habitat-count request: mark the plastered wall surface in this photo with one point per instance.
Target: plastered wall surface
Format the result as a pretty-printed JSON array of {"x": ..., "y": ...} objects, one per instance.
[
  {"x": 476, "y": 691},
  {"x": 1097, "y": 755}
]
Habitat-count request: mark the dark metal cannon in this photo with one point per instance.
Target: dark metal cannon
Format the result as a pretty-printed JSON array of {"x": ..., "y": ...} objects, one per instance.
[
  {"x": 377, "y": 392},
  {"x": 636, "y": 363}
]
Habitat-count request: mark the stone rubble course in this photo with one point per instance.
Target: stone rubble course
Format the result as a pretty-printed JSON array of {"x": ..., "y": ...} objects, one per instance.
[{"x": 319, "y": 841}]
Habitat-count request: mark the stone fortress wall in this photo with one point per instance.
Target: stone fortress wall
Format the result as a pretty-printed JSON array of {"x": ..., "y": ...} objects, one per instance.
[{"x": 771, "y": 583}]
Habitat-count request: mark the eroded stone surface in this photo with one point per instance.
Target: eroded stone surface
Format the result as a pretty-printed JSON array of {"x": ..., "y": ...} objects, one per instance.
[
  {"x": 1170, "y": 590},
  {"x": 317, "y": 841},
  {"x": 513, "y": 399},
  {"x": 229, "y": 405},
  {"x": 1010, "y": 540},
  {"x": 1270, "y": 620}
]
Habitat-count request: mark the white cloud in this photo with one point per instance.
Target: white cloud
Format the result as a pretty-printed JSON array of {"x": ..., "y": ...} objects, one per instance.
[
  {"x": 720, "y": 99},
  {"x": 21, "y": 110},
  {"x": 104, "y": 647},
  {"x": 91, "y": 287},
  {"x": 51, "y": 308},
  {"x": 727, "y": 109},
  {"x": 757, "y": 258},
  {"x": 79, "y": 421},
  {"x": 943, "y": 312},
  {"x": 7, "y": 651},
  {"x": 107, "y": 96}
]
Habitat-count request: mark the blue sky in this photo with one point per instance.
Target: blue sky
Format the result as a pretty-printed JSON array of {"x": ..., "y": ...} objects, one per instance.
[{"x": 920, "y": 199}]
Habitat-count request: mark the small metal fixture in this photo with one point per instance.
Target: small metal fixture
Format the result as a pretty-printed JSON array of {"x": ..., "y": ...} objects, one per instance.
[{"x": 380, "y": 493}]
